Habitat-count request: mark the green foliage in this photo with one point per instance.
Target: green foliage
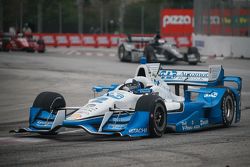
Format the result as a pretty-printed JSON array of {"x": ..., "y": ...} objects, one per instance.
[{"x": 95, "y": 14}]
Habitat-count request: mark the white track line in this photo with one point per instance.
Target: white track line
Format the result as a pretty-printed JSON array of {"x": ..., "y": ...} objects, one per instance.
[
  {"x": 70, "y": 52},
  {"x": 78, "y": 53},
  {"x": 112, "y": 55},
  {"x": 99, "y": 54},
  {"x": 88, "y": 54}
]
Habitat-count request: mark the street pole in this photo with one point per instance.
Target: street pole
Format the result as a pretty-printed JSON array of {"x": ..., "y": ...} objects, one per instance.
[
  {"x": 101, "y": 18},
  {"x": 1, "y": 16},
  {"x": 121, "y": 17},
  {"x": 21, "y": 15},
  {"x": 142, "y": 20},
  {"x": 60, "y": 16},
  {"x": 80, "y": 16},
  {"x": 40, "y": 16}
]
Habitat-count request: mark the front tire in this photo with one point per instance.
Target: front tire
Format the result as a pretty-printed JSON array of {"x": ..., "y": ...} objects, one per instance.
[
  {"x": 228, "y": 108},
  {"x": 158, "y": 113},
  {"x": 122, "y": 53},
  {"x": 49, "y": 101}
]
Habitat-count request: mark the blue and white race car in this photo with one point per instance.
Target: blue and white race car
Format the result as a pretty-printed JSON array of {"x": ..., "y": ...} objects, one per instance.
[{"x": 146, "y": 105}]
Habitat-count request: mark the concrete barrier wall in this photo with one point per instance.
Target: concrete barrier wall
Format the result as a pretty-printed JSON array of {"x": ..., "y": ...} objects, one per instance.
[{"x": 227, "y": 46}]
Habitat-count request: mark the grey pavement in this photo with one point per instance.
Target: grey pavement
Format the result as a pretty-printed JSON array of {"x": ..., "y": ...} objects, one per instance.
[{"x": 24, "y": 75}]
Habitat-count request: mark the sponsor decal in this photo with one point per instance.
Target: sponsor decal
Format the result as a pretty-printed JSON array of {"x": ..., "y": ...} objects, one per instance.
[
  {"x": 117, "y": 126},
  {"x": 214, "y": 72},
  {"x": 99, "y": 100},
  {"x": 48, "y": 39},
  {"x": 176, "y": 20},
  {"x": 213, "y": 94},
  {"x": 186, "y": 127},
  {"x": 115, "y": 95},
  {"x": 89, "y": 40},
  {"x": 76, "y": 116},
  {"x": 75, "y": 40},
  {"x": 138, "y": 130},
  {"x": 89, "y": 105},
  {"x": 156, "y": 82},
  {"x": 183, "y": 75},
  {"x": 168, "y": 74},
  {"x": 102, "y": 40},
  {"x": 203, "y": 122},
  {"x": 45, "y": 123},
  {"x": 199, "y": 43},
  {"x": 61, "y": 39},
  {"x": 183, "y": 40}
]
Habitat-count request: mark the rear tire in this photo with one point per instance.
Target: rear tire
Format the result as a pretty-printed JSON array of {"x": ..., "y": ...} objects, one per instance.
[
  {"x": 228, "y": 108},
  {"x": 41, "y": 51},
  {"x": 158, "y": 113},
  {"x": 41, "y": 44},
  {"x": 49, "y": 101},
  {"x": 31, "y": 50},
  {"x": 195, "y": 51}
]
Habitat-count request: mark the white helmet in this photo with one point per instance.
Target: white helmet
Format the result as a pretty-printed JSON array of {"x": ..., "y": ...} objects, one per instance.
[{"x": 144, "y": 81}]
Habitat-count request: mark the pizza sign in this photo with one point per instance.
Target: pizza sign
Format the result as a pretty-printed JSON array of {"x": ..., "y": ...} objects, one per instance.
[{"x": 177, "y": 22}]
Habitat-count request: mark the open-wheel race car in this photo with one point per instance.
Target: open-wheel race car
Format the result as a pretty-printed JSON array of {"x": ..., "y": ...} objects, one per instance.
[
  {"x": 146, "y": 105},
  {"x": 21, "y": 42},
  {"x": 155, "y": 50}
]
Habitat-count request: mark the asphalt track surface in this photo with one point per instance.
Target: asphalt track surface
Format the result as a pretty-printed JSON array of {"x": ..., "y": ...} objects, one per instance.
[{"x": 72, "y": 72}]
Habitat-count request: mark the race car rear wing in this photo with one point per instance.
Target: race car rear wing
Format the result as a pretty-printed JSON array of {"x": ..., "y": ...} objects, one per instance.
[
  {"x": 213, "y": 76},
  {"x": 136, "y": 38}
]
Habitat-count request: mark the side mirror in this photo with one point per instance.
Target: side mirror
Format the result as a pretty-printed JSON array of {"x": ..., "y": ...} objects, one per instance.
[{"x": 97, "y": 89}]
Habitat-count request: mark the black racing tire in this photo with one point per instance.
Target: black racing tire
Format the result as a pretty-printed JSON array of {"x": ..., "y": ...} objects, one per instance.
[
  {"x": 122, "y": 53},
  {"x": 40, "y": 42},
  {"x": 6, "y": 49},
  {"x": 49, "y": 101},
  {"x": 158, "y": 113},
  {"x": 149, "y": 54},
  {"x": 195, "y": 51},
  {"x": 30, "y": 50},
  {"x": 5, "y": 46},
  {"x": 192, "y": 50},
  {"x": 41, "y": 51},
  {"x": 228, "y": 107}
]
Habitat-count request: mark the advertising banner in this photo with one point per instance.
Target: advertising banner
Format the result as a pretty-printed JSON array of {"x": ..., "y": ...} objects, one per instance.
[
  {"x": 177, "y": 22},
  {"x": 106, "y": 40}
]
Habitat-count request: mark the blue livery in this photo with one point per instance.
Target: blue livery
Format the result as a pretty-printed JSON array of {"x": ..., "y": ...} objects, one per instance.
[{"x": 202, "y": 98}]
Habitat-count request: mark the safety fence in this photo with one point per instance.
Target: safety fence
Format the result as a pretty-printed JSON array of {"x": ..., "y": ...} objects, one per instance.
[{"x": 104, "y": 40}]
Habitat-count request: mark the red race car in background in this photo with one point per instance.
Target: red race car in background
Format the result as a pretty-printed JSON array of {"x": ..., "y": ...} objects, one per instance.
[{"x": 21, "y": 42}]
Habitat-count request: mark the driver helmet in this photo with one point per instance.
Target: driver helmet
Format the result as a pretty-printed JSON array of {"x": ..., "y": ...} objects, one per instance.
[{"x": 132, "y": 85}]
